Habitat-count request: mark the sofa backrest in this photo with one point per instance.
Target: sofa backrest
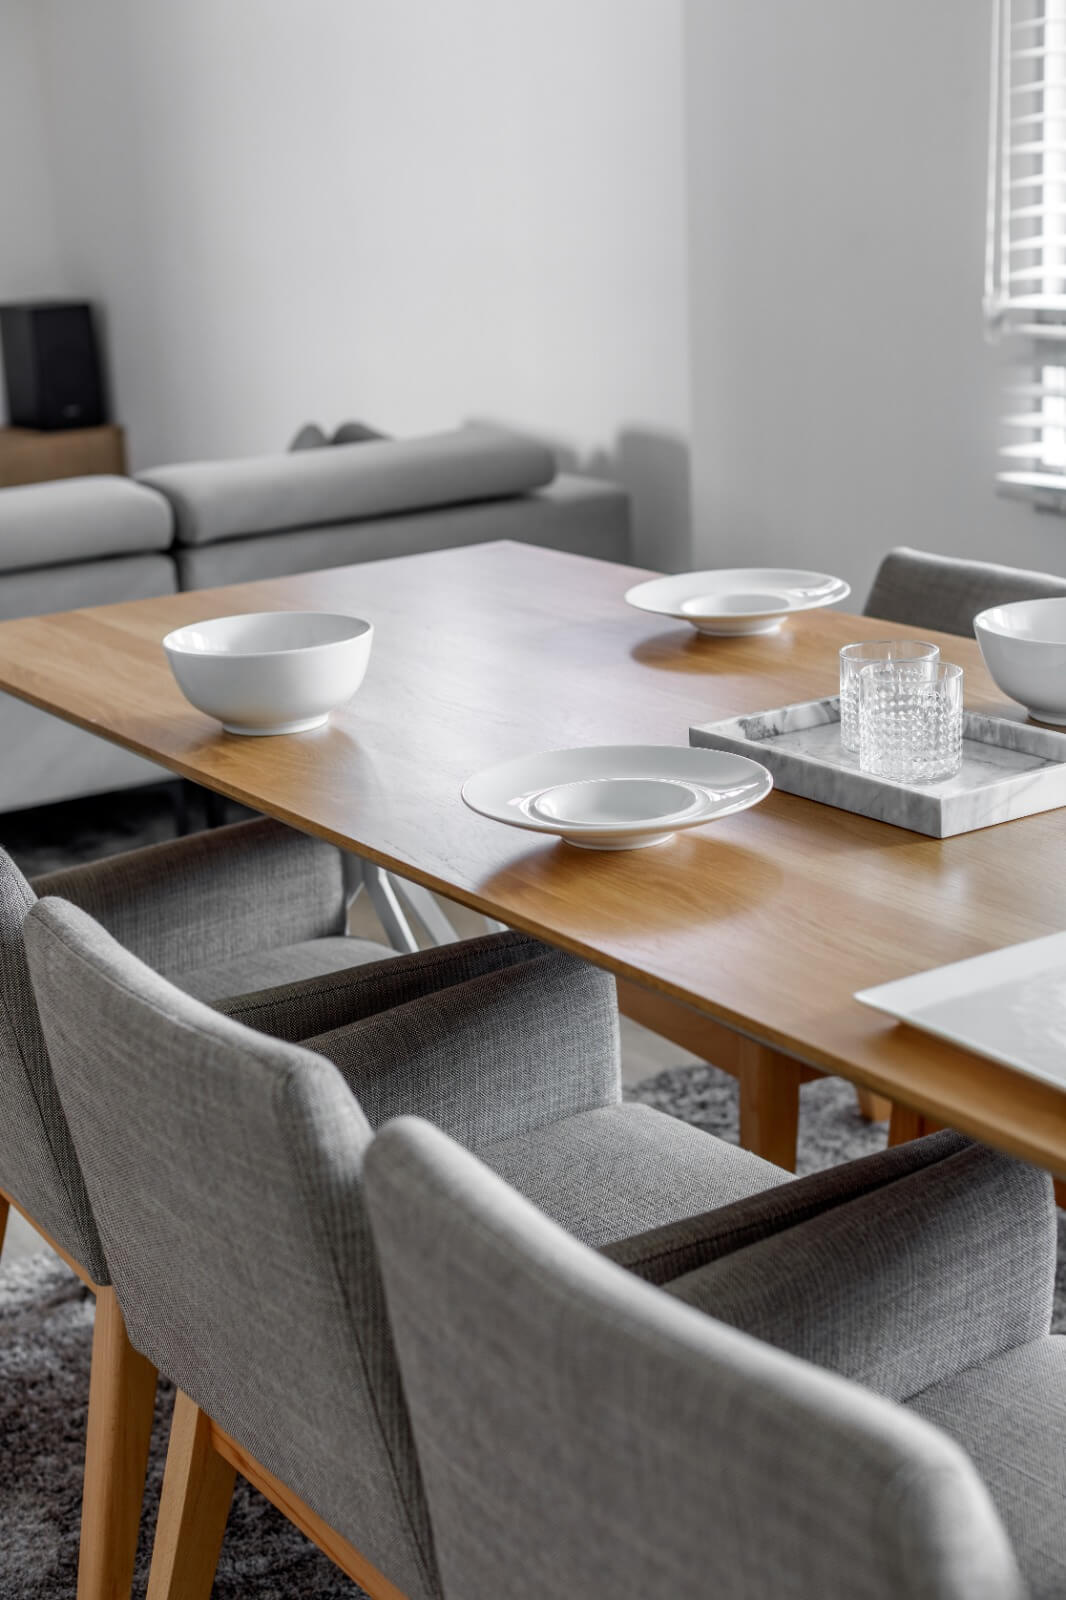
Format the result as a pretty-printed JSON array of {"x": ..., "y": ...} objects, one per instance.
[{"x": 216, "y": 500}]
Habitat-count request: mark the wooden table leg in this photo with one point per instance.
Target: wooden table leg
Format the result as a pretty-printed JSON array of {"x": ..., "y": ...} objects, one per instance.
[
  {"x": 769, "y": 1102},
  {"x": 906, "y": 1124},
  {"x": 874, "y": 1107}
]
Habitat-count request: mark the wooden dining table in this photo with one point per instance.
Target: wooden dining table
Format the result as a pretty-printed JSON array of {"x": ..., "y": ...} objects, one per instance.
[{"x": 744, "y": 940}]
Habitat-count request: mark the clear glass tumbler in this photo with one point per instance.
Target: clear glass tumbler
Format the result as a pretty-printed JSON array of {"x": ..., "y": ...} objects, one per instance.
[
  {"x": 910, "y": 720},
  {"x": 853, "y": 657}
]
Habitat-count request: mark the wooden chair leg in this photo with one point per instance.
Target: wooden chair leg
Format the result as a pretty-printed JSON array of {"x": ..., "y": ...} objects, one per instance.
[
  {"x": 197, "y": 1490},
  {"x": 5, "y": 1208},
  {"x": 769, "y": 1102},
  {"x": 122, "y": 1388}
]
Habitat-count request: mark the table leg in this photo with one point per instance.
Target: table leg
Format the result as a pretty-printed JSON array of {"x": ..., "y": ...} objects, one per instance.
[
  {"x": 769, "y": 1102},
  {"x": 906, "y": 1124}
]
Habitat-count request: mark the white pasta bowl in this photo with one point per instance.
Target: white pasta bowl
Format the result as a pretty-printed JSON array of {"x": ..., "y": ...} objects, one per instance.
[
  {"x": 270, "y": 671},
  {"x": 1024, "y": 648}
]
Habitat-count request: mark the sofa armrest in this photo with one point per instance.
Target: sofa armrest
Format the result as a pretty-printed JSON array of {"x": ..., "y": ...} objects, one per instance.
[
  {"x": 905, "y": 1285},
  {"x": 207, "y": 898},
  {"x": 530, "y": 1036}
]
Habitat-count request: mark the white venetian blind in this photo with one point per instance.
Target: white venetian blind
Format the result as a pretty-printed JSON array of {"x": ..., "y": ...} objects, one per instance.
[{"x": 1025, "y": 273}]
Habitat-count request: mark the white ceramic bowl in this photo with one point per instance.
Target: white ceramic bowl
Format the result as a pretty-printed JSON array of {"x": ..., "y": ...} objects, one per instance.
[
  {"x": 270, "y": 671},
  {"x": 1024, "y": 646}
]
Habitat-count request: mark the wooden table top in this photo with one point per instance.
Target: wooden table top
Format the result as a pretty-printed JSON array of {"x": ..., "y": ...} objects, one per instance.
[{"x": 767, "y": 921}]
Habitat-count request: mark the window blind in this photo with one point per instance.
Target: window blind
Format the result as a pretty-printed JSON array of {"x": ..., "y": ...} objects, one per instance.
[{"x": 1025, "y": 269}]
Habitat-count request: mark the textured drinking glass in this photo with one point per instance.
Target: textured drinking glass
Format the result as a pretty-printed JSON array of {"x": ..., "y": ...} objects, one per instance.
[
  {"x": 854, "y": 657},
  {"x": 910, "y": 720}
]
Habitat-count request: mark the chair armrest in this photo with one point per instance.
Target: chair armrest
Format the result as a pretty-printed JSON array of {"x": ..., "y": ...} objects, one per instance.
[
  {"x": 212, "y": 896},
  {"x": 488, "y": 1039},
  {"x": 905, "y": 1285}
]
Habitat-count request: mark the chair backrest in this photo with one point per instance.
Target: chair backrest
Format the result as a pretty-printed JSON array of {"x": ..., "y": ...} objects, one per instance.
[
  {"x": 944, "y": 593},
  {"x": 580, "y": 1432},
  {"x": 39, "y": 1169},
  {"x": 224, "y": 1170}
]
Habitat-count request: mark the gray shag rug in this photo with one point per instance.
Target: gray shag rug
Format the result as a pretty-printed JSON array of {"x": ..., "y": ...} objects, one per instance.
[{"x": 46, "y": 1314}]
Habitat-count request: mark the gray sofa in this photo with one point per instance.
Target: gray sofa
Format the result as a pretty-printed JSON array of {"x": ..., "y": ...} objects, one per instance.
[{"x": 91, "y": 541}]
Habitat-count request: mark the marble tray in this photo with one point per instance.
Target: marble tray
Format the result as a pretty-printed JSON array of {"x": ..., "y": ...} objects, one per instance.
[{"x": 1009, "y": 769}]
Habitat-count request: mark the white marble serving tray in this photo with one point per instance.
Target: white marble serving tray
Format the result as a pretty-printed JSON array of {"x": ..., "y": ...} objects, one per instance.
[{"x": 1009, "y": 769}]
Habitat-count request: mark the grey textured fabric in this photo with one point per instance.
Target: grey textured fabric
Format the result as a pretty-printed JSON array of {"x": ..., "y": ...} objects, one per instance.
[
  {"x": 85, "y": 583},
  {"x": 875, "y": 1291},
  {"x": 356, "y": 433},
  {"x": 298, "y": 1011},
  {"x": 582, "y": 1433},
  {"x": 223, "y": 1167},
  {"x": 278, "y": 969},
  {"x": 215, "y": 500},
  {"x": 216, "y": 896},
  {"x": 659, "y": 1254},
  {"x": 576, "y": 514},
  {"x": 38, "y": 1166},
  {"x": 77, "y": 519},
  {"x": 224, "y": 1172},
  {"x": 945, "y": 593},
  {"x": 610, "y": 1172},
  {"x": 1010, "y": 1417}
]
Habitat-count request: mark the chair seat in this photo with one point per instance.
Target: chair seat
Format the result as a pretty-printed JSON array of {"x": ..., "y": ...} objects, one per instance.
[
  {"x": 267, "y": 969},
  {"x": 1009, "y": 1414},
  {"x": 619, "y": 1170}
]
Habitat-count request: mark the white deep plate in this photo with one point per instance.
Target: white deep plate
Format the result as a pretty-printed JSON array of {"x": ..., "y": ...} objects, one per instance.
[
  {"x": 617, "y": 797},
  {"x": 729, "y": 601},
  {"x": 1009, "y": 1005}
]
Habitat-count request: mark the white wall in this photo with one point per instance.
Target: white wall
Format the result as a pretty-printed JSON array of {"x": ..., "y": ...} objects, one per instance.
[
  {"x": 844, "y": 399},
  {"x": 408, "y": 212},
  {"x": 30, "y": 256}
]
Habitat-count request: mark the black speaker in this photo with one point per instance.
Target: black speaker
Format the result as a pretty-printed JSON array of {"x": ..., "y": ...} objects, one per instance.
[{"x": 51, "y": 369}]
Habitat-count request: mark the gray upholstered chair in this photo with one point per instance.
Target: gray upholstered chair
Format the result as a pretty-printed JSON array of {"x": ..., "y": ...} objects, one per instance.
[
  {"x": 582, "y": 1432},
  {"x": 944, "y": 593},
  {"x": 223, "y": 1166},
  {"x": 222, "y": 913}
]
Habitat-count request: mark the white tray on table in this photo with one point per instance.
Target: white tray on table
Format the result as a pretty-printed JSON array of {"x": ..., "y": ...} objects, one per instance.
[{"x": 1009, "y": 769}]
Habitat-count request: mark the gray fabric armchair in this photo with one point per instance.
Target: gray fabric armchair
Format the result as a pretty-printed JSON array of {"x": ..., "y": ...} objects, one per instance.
[
  {"x": 224, "y": 1171},
  {"x": 221, "y": 913},
  {"x": 582, "y": 1431},
  {"x": 945, "y": 593}
]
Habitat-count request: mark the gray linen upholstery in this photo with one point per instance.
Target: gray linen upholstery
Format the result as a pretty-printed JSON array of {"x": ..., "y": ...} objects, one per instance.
[
  {"x": 612, "y": 1171},
  {"x": 278, "y": 969},
  {"x": 228, "y": 900},
  {"x": 871, "y": 1290},
  {"x": 216, "y": 896},
  {"x": 662, "y": 1253},
  {"x": 215, "y": 500},
  {"x": 1009, "y": 1415},
  {"x": 582, "y": 1433},
  {"x": 38, "y": 1166},
  {"x": 945, "y": 593},
  {"x": 586, "y": 517},
  {"x": 76, "y": 519},
  {"x": 85, "y": 583},
  {"x": 224, "y": 1167}
]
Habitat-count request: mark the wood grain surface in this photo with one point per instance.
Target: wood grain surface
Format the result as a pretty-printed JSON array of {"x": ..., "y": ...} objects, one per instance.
[{"x": 767, "y": 921}]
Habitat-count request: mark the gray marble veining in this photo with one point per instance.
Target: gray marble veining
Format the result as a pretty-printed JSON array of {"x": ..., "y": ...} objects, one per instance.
[{"x": 1009, "y": 769}]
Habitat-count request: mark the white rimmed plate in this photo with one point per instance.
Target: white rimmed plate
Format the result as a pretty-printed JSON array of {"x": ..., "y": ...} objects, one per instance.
[
  {"x": 729, "y": 601},
  {"x": 1009, "y": 1005},
  {"x": 617, "y": 797}
]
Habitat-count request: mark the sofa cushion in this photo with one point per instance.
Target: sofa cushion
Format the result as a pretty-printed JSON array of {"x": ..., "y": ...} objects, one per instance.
[
  {"x": 78, "y": 519},
  {"x": 265, "y": 494},
  {"x": 576, "y": 514}
]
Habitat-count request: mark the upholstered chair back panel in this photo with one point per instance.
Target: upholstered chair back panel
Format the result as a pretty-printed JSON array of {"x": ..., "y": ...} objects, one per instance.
[
  {"x": 582, "y": 1433},
  {"x": 944, "y": 593},
  {"x": 224, "y": 1171}
]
